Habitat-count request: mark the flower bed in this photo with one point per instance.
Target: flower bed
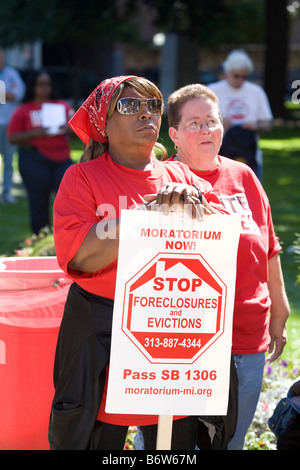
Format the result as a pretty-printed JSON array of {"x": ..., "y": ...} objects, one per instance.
[{"x": 278, "y": 378}]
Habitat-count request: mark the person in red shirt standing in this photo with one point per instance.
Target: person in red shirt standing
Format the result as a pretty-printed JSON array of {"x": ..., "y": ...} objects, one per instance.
[
  {"x": 44, "y": 154},
  {"x": 261, "y": 306},
  {"x": 119, "y": 123}
]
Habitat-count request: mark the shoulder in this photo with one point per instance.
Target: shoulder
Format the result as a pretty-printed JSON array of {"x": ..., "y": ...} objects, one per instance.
[
  {"x": 23, "y": 109},
  {"x": 175, "y": 167},
  {"x": 76, "y": 179},
  {"x": 62, "y": 102},
  {"x": 240, "y": 173},
  {"x": 237, "y": 167},
  {"x": 181, "y": 170},
  {"x": 11, "y": 71},
  {"x": 254, "y": 88},
  {"x": 217, "y": 85}
]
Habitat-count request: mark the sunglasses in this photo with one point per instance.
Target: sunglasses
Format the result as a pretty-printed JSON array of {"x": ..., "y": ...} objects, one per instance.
[
  {"x": 131, "y": 106},
  {"x": 243, "y": 77}
]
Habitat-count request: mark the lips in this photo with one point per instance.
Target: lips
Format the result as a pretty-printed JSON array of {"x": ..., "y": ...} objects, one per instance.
[{"x": 148, "y": 127}]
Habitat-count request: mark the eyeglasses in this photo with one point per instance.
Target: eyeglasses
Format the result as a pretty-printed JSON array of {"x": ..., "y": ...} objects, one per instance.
[
  {"x": 236, "y": 75},
  {"x": 196, "y": 126},
  {"x": 131, "y": 106}
]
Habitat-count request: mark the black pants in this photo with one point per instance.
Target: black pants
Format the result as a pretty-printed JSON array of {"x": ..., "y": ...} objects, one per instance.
[
  {"x": 41, "y": 177},
  {"x": 82, "y": 354},
  {"x": 112, "y": 437}
]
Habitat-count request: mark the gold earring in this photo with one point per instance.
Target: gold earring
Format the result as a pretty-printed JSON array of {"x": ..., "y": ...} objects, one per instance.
[{"x": 176, "y": 147}]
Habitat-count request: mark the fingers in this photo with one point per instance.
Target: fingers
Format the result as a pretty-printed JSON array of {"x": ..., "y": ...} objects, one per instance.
[
  {"x": 150, "y": 197},
  {"x": 176, "y": 193},
  {"x": 178, "y": 197},
  {"x": 207, "y": 207},
  {"x": 275, "y": 353}
]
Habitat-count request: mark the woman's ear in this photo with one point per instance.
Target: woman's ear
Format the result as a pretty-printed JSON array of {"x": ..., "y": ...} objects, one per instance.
[{"x": 173, "y": 135}]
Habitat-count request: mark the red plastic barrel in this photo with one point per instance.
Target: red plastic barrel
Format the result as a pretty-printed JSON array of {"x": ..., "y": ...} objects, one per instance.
[{"x": 32, "y": 296}]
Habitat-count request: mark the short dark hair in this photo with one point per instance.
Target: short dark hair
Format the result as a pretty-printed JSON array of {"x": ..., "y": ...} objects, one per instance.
[{"x": 179, "y": 97}]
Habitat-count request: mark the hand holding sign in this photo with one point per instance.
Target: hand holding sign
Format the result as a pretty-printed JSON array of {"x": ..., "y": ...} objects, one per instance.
[{"x": 178, "y": 197}]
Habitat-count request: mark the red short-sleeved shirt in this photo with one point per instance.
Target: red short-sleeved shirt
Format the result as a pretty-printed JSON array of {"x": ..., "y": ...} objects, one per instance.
[
  {"x": 240, "y": 192},
  {"x": 28, "y": 116},
  {"x": 101, "y": 186}
]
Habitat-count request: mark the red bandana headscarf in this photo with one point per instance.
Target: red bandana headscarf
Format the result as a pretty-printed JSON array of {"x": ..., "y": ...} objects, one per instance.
[{"x": 90, "y": 120}]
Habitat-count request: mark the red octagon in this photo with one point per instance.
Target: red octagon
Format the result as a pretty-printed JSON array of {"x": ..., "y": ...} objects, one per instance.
[{"x": 174, "y": 308}]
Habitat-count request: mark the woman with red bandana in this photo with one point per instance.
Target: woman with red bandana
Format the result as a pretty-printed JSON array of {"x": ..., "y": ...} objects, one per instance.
[{"x": 119, "y": 122}]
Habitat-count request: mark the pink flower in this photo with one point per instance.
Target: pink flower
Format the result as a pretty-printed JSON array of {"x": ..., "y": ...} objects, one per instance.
[{"x": 23, "y": 252}]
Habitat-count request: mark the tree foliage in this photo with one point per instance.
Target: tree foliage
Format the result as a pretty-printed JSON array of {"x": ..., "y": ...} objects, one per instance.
[
  {"x": 211, "y": 22},
  {"x": 56, "y": 21}
]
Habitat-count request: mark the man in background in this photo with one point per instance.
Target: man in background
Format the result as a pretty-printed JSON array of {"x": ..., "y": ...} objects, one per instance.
[
  {"x": 11, "y": 93},
  {"x": 245, "y": 109}
]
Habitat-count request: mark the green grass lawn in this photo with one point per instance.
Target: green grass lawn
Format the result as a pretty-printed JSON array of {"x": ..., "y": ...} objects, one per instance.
[
  {"x": 281, "y": 180},
  {"x": 282, "y": 183}
]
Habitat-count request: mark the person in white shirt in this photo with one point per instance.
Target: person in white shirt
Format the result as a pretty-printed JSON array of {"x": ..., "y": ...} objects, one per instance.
[
  {"x": 245, "y": 109},
  {"x": 12, "y": 92}
]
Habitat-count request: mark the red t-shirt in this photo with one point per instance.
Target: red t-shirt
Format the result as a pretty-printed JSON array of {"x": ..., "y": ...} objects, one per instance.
[
  {"x": 241, "y": 193},
  {"x": 100, "y": 185},
  {"x": 28, "y": 116}
]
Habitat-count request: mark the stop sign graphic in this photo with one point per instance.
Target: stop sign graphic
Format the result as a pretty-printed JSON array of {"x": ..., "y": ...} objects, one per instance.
[{"x": 174, "y": 308}]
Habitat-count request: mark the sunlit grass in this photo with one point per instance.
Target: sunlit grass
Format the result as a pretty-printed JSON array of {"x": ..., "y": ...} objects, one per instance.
[{"x": 281, "y": 149}]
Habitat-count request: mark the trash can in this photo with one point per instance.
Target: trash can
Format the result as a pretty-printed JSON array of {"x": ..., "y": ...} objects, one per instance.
[{"x": 33, "y": 292}]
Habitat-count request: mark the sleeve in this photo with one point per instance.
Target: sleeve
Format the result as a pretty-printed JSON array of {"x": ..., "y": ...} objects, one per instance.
[
  {"x": 274, "y": 246},
  {"x": 18, "y": 86},
  {"x": 73, "y": 217},
  {"x": 264, "y": 108},
  {"x": 69, "y": 110},
  {"x": 17, "y": 122}
]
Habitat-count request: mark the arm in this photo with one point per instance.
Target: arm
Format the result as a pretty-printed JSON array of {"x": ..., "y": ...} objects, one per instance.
[
  {"x": 100, "y": 246},
  {"x": 21, "y": 138},
  {"x": 95, "y": 252},
  {"x": 280, "y": 309},
  {"x": 17, "y": 87}
]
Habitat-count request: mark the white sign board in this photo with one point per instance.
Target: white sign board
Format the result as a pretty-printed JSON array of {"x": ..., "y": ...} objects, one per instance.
[
  {"x": 172, "y": 321},
  {"x": 53, "y": 116}
]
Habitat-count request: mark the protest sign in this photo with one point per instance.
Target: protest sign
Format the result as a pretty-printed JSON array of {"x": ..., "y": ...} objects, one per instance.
[
  {"x": 172, "y": 321},
  {"x": 53, "y": 116}
]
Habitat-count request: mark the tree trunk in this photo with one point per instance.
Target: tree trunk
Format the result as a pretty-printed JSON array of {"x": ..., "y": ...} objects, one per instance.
[
  {"x": 277, "y": 39},
  {"x": 179, "y": 63}
]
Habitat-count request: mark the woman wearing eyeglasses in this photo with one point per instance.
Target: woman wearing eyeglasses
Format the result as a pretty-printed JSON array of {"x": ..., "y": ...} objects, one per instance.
[
  {"x": 261, "y": 306},
  {"x": 119, "y": 122}
]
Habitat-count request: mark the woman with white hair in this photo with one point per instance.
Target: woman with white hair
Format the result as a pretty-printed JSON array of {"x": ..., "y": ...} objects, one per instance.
[{"x": 246, "y": 111}]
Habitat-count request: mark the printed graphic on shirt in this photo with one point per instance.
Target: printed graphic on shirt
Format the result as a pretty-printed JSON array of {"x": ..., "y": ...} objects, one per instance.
[
  {"x": 238, "y": 204},
  {"x": 35, "y": 118},
  {"x": 237, "y": 110}
]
